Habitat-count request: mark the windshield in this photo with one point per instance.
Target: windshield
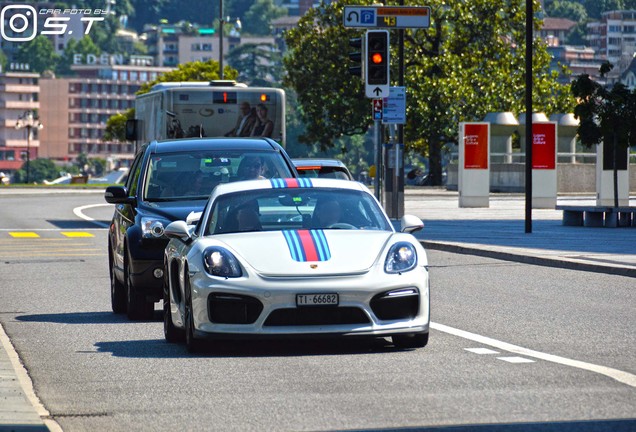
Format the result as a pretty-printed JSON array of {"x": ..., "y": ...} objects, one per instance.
[
  {"x": 193, "y": 175},
  {"x": 313, "y": 208}
]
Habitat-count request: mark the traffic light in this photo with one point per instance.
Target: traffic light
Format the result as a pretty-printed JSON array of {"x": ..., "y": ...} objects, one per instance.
[
  {"x": 356, "y": 57},
  {"x": 377, "y": 57}
]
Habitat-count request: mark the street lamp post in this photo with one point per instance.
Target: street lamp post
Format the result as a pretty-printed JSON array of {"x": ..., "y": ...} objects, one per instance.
[
  {"x": 222, "y": 21},
  {"x": 29, "y": 122}
]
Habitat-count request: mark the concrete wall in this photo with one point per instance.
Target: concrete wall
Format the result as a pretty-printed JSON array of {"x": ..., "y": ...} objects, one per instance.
[{"x": 571, "y": 178}]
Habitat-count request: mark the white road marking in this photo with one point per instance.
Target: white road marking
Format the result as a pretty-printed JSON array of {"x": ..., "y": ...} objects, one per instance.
[
  {"x": 78, "y": 212},
  {"x": 515, "y": 359},
  {"x": 618, "y": 375},
  {"x": 481, "y": 351}
]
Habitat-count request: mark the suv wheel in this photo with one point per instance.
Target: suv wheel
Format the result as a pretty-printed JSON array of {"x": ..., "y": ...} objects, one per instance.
[
  {"x": 117, "y": 292},
  {"x": 137, "y": 306}
]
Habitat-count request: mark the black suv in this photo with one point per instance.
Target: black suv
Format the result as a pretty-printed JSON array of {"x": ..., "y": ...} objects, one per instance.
[{"x": 167, "y": 181}]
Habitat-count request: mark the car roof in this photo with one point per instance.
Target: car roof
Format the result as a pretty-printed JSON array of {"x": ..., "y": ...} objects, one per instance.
[
  {"x": 194, "y": 144},
  {"x": 291, "y": 183},
  {"x": 318, "y": 161}
]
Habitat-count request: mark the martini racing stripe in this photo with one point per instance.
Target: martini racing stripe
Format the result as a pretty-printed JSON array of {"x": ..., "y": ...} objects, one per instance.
[
  {"x": 307, "y": 245},
  {"x": 291, "y": 183}
]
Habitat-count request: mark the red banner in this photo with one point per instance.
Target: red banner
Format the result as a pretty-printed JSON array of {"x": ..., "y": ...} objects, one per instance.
[
  {"x": 475, "y": 146},
  {"x": 543, "y": 146}
]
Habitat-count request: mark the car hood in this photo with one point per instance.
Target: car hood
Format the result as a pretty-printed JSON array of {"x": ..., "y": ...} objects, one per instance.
[
  {"x": 309, "y": 252},
  {"x": 172, "y": 210}
]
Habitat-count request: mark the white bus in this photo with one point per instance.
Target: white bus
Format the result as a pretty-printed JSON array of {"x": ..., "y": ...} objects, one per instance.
[{"x": 202, "y": 109}]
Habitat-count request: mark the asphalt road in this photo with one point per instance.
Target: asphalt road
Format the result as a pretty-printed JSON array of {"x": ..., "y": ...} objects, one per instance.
[{"x": 513, "y": 347}]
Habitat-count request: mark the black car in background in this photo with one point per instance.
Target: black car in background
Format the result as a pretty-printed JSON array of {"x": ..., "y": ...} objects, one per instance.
[{"x": 167, "y": 181}]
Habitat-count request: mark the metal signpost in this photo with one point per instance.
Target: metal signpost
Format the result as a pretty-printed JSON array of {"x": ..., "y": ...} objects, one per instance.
[{"x": 389, "y": 103}]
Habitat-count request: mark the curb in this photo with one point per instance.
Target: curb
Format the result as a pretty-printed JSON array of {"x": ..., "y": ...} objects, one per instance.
[{"x": 530, "y": 259}]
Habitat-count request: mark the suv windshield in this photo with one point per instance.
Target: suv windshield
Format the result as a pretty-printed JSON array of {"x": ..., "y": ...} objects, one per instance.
[{"x": 193, "y": 175}]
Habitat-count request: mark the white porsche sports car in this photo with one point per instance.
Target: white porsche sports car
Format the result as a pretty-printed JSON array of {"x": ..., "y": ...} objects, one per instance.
[{"x": 295, "y": 257}]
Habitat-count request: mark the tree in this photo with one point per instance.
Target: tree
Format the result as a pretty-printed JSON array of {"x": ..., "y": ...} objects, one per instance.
[
  {"x": 606, "y": 116},
  {"x": 470, "y": 62},
  {"x": 595, "y": 8},
  {"x": 567, "y": 9},
  {"x": 39, "y": 170},
  {"x": 258, "y": 64},
  {"x": 259, "y": 16},
  {"x": 83, "y": 46},
  {"x": 39, "y": 53},
  {"x": 116, "y": 126}
]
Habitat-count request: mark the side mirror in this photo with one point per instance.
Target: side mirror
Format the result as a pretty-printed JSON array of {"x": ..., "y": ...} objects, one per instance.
[
  {"x": 411, "y": 224},
  {"x": 118, "y": 195},
  {"x": 193, "y": 218},
  {"x": 178, "y": 229},
  {"x": 132, "y": 130}
]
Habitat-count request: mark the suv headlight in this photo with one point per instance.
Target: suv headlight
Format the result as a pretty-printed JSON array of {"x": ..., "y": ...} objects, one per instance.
[
  {"x": 402, "y": 257},
  {"x": 220, "y": 262},
  {"x": 153, "y": 227}
]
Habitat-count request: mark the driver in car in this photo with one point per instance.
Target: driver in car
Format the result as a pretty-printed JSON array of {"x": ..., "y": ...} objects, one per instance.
[{"x": 326, "y": 214}]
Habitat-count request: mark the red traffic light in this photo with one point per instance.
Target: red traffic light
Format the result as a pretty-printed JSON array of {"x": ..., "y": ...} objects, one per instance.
[{"x": 376, "y": 58}]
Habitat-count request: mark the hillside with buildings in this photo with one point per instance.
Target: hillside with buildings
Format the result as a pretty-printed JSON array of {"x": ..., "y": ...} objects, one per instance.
[{"x": 77, "y": 78}]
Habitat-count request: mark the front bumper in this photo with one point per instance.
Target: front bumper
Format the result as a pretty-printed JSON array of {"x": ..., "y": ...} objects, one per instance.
[{"x": 257, "y": 306}]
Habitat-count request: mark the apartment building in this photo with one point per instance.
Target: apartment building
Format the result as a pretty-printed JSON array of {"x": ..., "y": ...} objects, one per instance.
[
  {"x": 173, "y": 44},
  {"x": 19, "y": 94},
  {"x": 75, "y": 110},
  {"x": 614, "y": 37}
]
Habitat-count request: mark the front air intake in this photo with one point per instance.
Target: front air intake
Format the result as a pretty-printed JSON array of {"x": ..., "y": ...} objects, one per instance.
[{"x": 233, "y": 308}]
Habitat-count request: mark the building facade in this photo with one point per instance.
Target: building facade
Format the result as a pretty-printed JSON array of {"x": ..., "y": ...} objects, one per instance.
[
  {"x": 614, "y": 36},
  {"x": 19, "y": 94},
  {"x": 78, "y": 108}
]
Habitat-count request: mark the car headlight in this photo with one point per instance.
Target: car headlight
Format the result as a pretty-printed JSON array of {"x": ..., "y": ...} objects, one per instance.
[
  {"x": 401, "y": 258},
  {"x": 153, "y": 227},
  {"x": 220, "y": 262}
]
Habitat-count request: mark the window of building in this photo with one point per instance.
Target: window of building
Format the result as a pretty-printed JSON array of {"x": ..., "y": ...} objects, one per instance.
[{"x": 8, "y": 155}]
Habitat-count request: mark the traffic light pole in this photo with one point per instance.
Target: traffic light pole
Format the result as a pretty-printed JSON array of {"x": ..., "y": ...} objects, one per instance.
[{"x": 379, "y": 166}]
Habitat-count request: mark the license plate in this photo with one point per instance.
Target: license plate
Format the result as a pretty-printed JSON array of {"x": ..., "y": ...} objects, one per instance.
[{"x": 317, "y": 299}]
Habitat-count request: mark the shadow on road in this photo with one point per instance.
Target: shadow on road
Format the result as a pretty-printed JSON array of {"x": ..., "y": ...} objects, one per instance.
[
  {"x": 627, "y": 425},
  {"x": 159, "y": 348},
  {"x": 81, "y": 318},
  {"x": 78, "y": 224}
]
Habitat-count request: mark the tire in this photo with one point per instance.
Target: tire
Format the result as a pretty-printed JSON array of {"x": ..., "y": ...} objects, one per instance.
[
  {"x": 137, "y": 307},
  {"x": 408, "y": 341},
  {"x": 170, "y": 332},
  {"x": 117, "y": 292},
  {"x": 192, "y": 344}
]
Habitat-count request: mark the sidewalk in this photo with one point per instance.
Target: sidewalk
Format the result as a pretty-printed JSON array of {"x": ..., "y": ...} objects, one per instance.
[{"x": 498, "y": 231}]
